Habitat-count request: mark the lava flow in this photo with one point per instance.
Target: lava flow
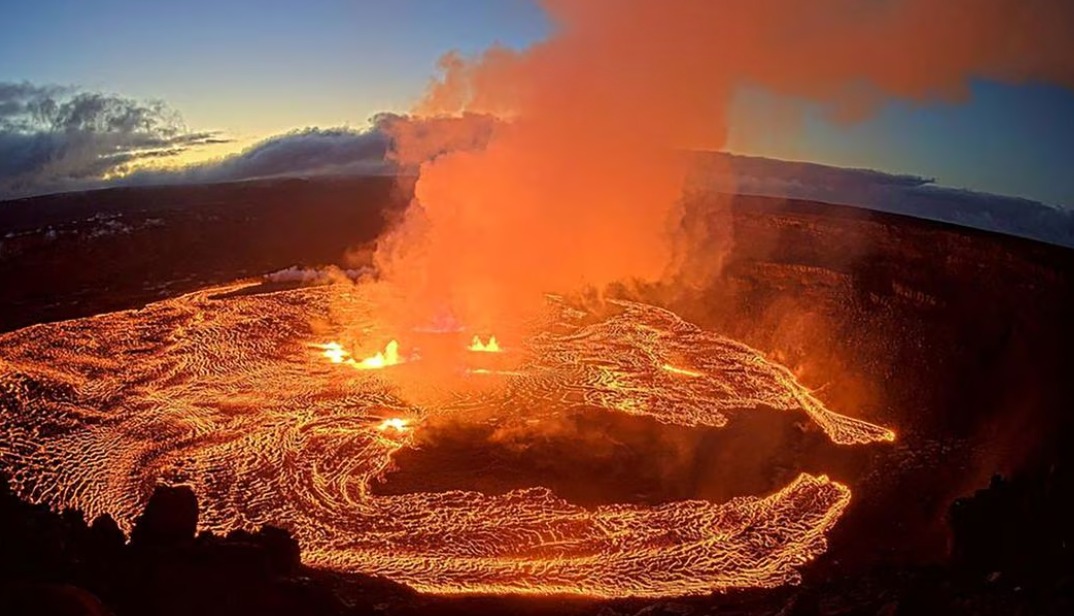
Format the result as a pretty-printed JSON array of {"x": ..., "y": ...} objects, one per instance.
[{"x": 224, "y": 393}]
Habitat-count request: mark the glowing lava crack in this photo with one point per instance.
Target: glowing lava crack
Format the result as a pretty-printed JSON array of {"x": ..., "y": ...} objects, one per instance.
[{"x": 227, "y": 395}]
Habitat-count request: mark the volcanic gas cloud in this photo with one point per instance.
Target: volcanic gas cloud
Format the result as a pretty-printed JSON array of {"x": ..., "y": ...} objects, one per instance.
[
  {"x": 541, "y": 173},
  {"x": 578, "y": 178}
]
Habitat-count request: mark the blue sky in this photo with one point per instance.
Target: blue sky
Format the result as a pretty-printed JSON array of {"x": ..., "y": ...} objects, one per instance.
[
  {"x": 256, "y": 68},
  {"x": 1003, "y": 139}
]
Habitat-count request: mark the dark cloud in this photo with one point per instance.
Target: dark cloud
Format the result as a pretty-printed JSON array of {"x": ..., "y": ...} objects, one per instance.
[
  {"x": 901, "y": 194},
  {"x": 56, "y": 138}
]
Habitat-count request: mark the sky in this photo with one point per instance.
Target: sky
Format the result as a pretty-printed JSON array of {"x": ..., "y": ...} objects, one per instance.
[{"x": 253, "y": 69}]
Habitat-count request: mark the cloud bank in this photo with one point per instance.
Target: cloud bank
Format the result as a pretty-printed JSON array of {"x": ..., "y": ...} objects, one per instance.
[
  {"x": 58, "y": 138},
  {"x": 380, "y": 148},
  {"x": 899, "y": 194},
  {"x": 307, "y": 152}
]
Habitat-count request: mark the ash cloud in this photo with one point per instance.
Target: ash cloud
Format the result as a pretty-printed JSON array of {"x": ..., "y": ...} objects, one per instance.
[{"x": 58, "y": 138}]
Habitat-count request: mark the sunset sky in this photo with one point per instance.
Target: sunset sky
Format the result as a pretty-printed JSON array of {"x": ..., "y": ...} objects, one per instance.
[{"x": 255, "y": 68}]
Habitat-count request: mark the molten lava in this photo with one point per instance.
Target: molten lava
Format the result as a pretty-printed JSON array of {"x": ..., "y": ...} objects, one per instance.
[
  {"x": 389, "y": 357},
  {"x": 394, "y": 424},
  {"x": 492, "y": 346},
  {"x": 221, "y": 392},
  {"x": 335, "y": 353},
  {"x": 682, "y": 371}
]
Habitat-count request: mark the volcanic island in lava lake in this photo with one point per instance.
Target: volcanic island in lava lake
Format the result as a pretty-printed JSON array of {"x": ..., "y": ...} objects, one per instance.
[{"x": 275, "y": 414}]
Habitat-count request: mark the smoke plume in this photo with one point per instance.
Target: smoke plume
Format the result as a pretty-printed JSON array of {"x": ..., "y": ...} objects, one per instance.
[{"x": 579, "y": 182}]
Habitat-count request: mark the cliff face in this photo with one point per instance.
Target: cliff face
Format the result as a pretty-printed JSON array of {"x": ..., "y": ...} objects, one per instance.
[
  {"x": 957, "y": 339},
  {"x": 70, "y": 255}
]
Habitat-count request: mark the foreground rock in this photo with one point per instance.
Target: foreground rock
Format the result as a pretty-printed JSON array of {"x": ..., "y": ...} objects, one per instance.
[{"x": 58, "y": 564}]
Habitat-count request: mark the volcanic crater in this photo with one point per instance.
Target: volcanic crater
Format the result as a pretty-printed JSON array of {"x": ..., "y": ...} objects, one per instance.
[
  {"x": 235, "y": 394},
  {"x": 228, "y": 389}
]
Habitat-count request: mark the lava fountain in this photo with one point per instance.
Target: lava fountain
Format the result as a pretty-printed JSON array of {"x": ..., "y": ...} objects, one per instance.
[
  {"x": 233, "y": 394},
  {"x": 492, "y": 346},
  {"x": 335, "y": 353}
]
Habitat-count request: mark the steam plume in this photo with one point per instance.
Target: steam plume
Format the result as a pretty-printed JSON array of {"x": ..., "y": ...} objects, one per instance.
[{"x": 580, "y": 183}]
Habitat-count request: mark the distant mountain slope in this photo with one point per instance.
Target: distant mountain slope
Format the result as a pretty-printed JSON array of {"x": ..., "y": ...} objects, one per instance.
[{"x": 900, "y": 194}]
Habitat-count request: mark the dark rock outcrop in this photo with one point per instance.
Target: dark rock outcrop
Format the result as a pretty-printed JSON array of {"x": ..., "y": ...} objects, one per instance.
[
  {"x": 56, "y": 563},
  {"x": 170, "y": 518}
]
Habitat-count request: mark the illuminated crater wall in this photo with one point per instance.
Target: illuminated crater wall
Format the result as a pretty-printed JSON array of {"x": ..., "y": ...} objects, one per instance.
[{"x": 233, "y": 394}]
